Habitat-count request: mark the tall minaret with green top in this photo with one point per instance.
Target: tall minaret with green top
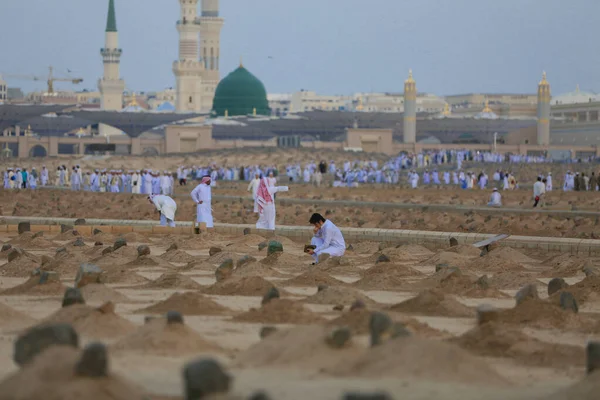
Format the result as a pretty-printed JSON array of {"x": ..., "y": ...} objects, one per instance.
[{"x": 111, "y": 85}]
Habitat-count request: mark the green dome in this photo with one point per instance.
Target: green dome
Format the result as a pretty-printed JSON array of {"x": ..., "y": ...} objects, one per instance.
[{"x": 240, "y": 93}]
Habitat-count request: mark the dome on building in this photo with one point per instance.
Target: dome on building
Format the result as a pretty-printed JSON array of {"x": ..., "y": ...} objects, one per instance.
[
  {"x": 240, "y": 93},
  {"x": 166, "y": 107},
  {"x": 575, "y": 97}
]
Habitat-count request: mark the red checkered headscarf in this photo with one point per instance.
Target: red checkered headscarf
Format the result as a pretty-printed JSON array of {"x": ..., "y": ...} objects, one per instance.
[
  {"x": 263, "y": 197},
  {"x": 205, "y": 180}
]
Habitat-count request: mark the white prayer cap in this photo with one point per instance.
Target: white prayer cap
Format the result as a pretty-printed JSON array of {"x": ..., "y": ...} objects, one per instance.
[
  {"x": 549, "y": 173},
  {"x": 495, "y": 190}
]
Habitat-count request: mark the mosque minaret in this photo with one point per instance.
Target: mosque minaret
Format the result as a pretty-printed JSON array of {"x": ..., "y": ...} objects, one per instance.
[
  {"x": 410, "y": 109},
  {"x": 210, "y": 49},
  {"x": 111, "y": 85},
  {"x": 197, "y": 70},
  {"x": 543, "y": 112}
]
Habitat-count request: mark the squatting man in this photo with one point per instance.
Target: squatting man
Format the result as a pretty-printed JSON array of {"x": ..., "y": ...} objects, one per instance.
[{"x": 327, "y": 239}]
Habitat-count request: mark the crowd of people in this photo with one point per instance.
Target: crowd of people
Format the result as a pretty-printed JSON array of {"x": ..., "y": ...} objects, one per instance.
[{"x": 415, "y": 170}]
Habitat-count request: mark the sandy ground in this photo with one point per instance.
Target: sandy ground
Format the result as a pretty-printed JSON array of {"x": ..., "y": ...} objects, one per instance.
[
  {"x": 531, "y": 351},
  {"x": 64, "y": 203}
]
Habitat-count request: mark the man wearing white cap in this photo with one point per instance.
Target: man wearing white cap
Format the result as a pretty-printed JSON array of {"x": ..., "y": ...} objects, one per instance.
[
  {"x": 167, "y": 208},
  {"x": 136, "y": 182},
  {"x": 44, "y": 176},
  {"x": 164, "y": 183},
  {"x": 549, "y": 182},
  {"x": 495, "y": 199},
  {"x": 202, "y": 196}
]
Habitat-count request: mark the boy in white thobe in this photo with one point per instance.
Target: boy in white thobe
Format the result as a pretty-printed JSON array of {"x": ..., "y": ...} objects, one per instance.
[
  {"x": 266, "y": 204},
  {"x": 167, "y": 208},
  {"x": 328, "y": 238},
  {"x": 202, "y": 195}
]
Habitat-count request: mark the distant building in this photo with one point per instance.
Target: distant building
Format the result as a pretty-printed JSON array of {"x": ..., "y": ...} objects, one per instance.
[
  {"x": 506, "y": 105},
  {"x": 3, "y": 91},
  {"x": 15, "y": 94}
]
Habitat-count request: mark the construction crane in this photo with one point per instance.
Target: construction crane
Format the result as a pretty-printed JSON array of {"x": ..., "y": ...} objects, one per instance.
[{"x": 50, "y": 79}]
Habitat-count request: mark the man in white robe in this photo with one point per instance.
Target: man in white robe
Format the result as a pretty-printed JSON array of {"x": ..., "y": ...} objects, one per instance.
[
  {"x": 44, "y": 176},
  {"x": 495, "y": 199},
  {"x": 202, "y": 196},
  {"x": 136, "y": 183},
  {"x": 328, "y": 238},
  {"x": 549, "y": 182},
  {"x": 167, "y": 208},
  {"x": 75, "y": 180},
  {"x": 266, "y": 204},
  {"x": 253, "y": 187}
]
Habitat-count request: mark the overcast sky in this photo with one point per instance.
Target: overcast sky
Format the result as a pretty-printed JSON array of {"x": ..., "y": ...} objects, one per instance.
[{"x": 329, "y": 46}]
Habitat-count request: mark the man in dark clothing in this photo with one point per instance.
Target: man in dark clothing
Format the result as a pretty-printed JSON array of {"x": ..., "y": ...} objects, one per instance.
[
  {"x": 576, "y": 182},
  {"x": 323, "y": 167},
  {"x": 593, "y": 182}
]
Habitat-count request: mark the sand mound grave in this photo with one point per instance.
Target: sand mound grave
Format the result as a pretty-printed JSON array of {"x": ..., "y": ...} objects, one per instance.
[
  {"x": 219, "y": 258},
  {"x": 258, "y": 269},
  {"x": 135, "y": 237},
  {"x": 121, "y": 256},
  {"x": 121, "y": 276},
  {"x": 33, "y": 287},
  {"x": 434, "y": 303},
  {"x": 13, "y": 319},
  {"x": 196, "y": 265},
  {"x": 497, "y": 340},
  {"x": 20, "y": 267},
  {"x": 365, "y": 247},
  {"x": 286, "y": 261},
  {"x": 563, "y": 265},
  {"x": 148, "y": 261},
  {"x": 251, "y": 240},
  {"x": 177, "y": 256},
  {"x": 100, "y": 293},
  {"x": 172, "y": 280},
  {"x": 101, "y": 322},
  {"x": 300, "y": 346},
  {"x": 414, "y": 357},
  {"x": 587, "y": 289},
  {"x": 240, "y": 286},
  {"x": 358, "y": 321},
  {"x": 68, "y": 235},
  {"x": 339, "y": 295},
  {"x": 510, "y": 254},
  {"x": 449, "y": 258},
  {"x": 493, "y": 263},
  {"x": 382, "y": 282},
  {"x": 106, "y": 238},
  {"x": 28, "y": 241},
  {"x": 190, "y": 303},
  {"x": 512, "y": 280},
  {"x": 313, "y": 278},
  {"x": 50, "y": 376},
  {"x": 280, "y": 311},
  {"x": 157, "y": 337},
  {"x": 467, "y": 250},
  {"x": 542, "y": 314},
  {"x": 391, "y": 269}
]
